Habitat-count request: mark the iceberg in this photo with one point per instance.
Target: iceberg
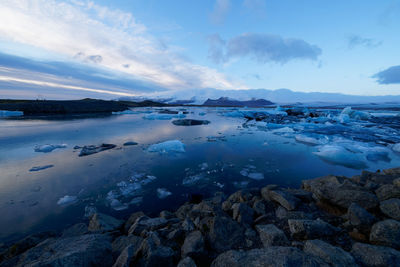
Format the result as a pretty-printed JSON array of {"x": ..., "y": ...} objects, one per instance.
[
  {"x": 168, "y": 147},
  {"x": 348, "y": 113},
  {"x": 48, "y": 148},
  {"x": 8, "y": 113},
  {"x": 339, "y": 155},
  {"x": 66, "y": 200},
  {"x": 163, "y": 193}
]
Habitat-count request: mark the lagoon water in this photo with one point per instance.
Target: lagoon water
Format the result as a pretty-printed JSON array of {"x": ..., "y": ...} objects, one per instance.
[{"x": 224, "y": 155}]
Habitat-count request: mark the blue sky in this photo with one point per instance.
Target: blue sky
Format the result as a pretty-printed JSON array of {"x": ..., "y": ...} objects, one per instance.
[{"x": 73, "y": 48}]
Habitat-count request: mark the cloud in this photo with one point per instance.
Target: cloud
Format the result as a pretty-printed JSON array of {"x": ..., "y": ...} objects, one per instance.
[
  {"x": 110, "y": 39},
  {"x": 220, "y": 11},
  {"x": 262, "y": 48},
  {"x": 355, "y": 40},
  {"x": 258, "y": 7},
  {"x": 388, "y": 76}
]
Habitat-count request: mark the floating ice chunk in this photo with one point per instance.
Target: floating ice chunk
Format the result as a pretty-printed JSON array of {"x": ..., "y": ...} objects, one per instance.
[
  {"x": 136, "y": 201},
  {"x": 90, "y": 210},
  {"x": 192, "y": 179},
  {"x": 339, "y": 155},
  {"x": 39, "y": 168},
  {"x": 309, "y": 140},
  {"x": 163, "y": 193},
  {"x": 117, "y": 205},
  {"x": 219, "y": 184},
  {"x": 8, "y": 113},
  {"x": 157, "y": 116},
  {"x": 130, "y": 189},
  {"x": 396, "y": 148},
  {"x": 348, "y": 113},
  {"x": 283, "y": 130},
  {"x": 66, "y": 200},
  {"x": 48, "y": 148},
  {"x": 167, "y": 147},
  {"x": 203, "y": 166},
  {"x": 244, "y": 172},
  {"x": 234, "y": 114},
  {"x": 256, "y": 176}
]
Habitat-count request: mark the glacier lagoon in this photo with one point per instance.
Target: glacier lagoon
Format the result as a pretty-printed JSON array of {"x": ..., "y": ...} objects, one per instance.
[{"x": 46, "y": 185}]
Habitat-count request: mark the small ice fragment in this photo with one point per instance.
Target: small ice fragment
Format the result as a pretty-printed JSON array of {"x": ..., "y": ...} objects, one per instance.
[
  {"x": 136, "y": 201},
  {"x": 48, "y": 148},
  {"x": 244, "y": 172},
  {"x": 90, "y": 210},
  {"x": 192, "y": 179},
  {"x": 307, "y": 140},
  {"x": 256, "y": 176},
  {"x": 66, "y": 200},
  {"x": 39, "y": 168},
  {"x": 117, "y": 205},
  {"x": 203, "y": 166},
  {"x": 157, "y": 116},
  {"x": 163, "y": 193},
  {"x": 219, "y": 185},
  {"x": 167, "y": 147}
]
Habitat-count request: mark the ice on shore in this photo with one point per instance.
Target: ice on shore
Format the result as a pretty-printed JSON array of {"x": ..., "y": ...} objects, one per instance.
[
  {"x": 66, "y": 200},
  {"x": 158, "y": 116},
  {"x": 48, "y": 148},
  {"x": 167, "y": 147},
  {"x": 8, "y": 113},
  {"x": 163, "y": 193},
  {"x": 39, "y": 168}
]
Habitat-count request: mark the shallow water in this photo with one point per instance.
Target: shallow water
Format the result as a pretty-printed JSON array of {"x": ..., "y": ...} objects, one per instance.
[{"x": 216, "y": 155}]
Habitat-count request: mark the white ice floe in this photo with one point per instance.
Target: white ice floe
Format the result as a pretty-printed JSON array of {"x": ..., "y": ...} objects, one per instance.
[
  {"x": 191, "y": 180},
  {"x": 337, "y": 154},
  {"x": 158, "y": 116},
  {"x": 167, "y": 147},
  {"x": 283, "y": 130},
  {"x": 117, "y": 205},
  {"x": 8, "y": 113},
  {"x": 48, "y": 148},
  {"x": 256, "y": 175},
  {"x": 163, "y": 193},
  {"x": 310, "y": 140},
  {"x": 66, "y": 200},
  {"x": 136, "y": 200}
]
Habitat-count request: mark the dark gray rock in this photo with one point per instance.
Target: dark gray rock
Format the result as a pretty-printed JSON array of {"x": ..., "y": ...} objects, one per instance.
[
  {"x": 130, "y": 143},
  {"x": 285, "y": 199},
  {"x": 188, "y": 225},
  {"x": 131, "y": 220},
  {"x": 387, "y": 191},
  {"x": 271, "y": 256},
  {"x": 121, "y": 242},
  {"x": 193, "y": 246},
  {"x": 311, "y": 229},
  {"x": 271, "y": 235},
  {"x": 391, "y": 208},
  {"x": 224, "y": 234},
  {"x": 126, "y": 257},
  {"x": 335, "y": 256},
  {"x": 282, "y": 213},
  {"x": 75, "y": 230},
  {"x": 167, "y": 215},
  {"x": 243, "y": 214},
  {"x": 148, "y": 224},
  {"x": 89, "y": 150},
  {"x": 190, "y": 122},
  {"x": 187, "y": 262},
  {"x": 386, "y": 233},
  {"x": 375, "y": 256},
  {"x": 103, "y": 222},
  {"x": 359, "y": 217}
]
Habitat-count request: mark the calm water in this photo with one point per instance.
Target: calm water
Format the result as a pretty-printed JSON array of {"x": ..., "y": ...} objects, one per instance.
[{"x": 28, "y": 200}]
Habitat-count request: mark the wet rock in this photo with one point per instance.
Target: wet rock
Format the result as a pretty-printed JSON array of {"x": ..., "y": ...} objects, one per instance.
[
  {"x": 335, "y": 256},
  {"x": 271, "y": 256},
  {"x": 131, "y": 220},
  {"x": 285, "y": 199},
  {"x": 311, "y": 229},
  {"x": 379, "y": 256},
  {"x": 120, "y": 243},
  {"x": 89, "y": 150},
  {"x": 75, "y": 230},
  {"x": 167, "y": 215},
  {"x": 193, "y": 246},
  {"x": 391, "y": 208},
  {"x": 146, "y": 223},
  {"x": 190, "y": 122},
  {"x": 188, "y": 225},
  {"x": 187, "y": 262},
  {"x": 103, "y": 222},
  {"x": 396, "y": 182},
  {"x": 224, "y": 234},
  {"x": 388, "y": 191},
  {"x": 271, "y": 235},
  {"x": 243, "y": 214},
  {"x": 130, "y": 143},
  {"x": 126, "y": 257},
  {"x": 282, "y": 213},
  {"x": 359, "y": 217},
  {"x": 386, "y": 233}
]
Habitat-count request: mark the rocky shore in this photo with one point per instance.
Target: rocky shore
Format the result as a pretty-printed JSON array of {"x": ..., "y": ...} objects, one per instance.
[{"x": 329, "y": 221}]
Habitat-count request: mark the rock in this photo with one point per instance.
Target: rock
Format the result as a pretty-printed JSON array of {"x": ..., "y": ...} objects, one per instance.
[
  {"x": 126, "y": 257},
  {"x": 335, "y": 256},
  {"x": 311, "y": 229},
  {"x": 243, "y": 214},
  {"x": 365, "y": 199},
  {"x": 369, "y": 255},
  {"x": 186, "y": 262},
  {"x": 190, "y": 122},
  {"x": 130, "y": 143},
  {"x": 393, "y": 171},
  {"x": 188, "y": 225},
  {"x": 75, "y": 230},
  {"x": 386, "y": 233},
  {"x": 182, "y": 211},
  {"x": 388, "y": 191},
  {"x": 271, "y": 256},
  {"x": 85, "y": 250},
  {"x": 259, "y": 207},
  {"x": 271, "y": 235},
  {"x": 89, "y": 150},
  {"x": 176, "y": 235},
  {"x": 359, "y": 217},
  {"x": 301, "y": 194},
  {"x": 193, "y": 246},
  {"x": 282, "y": 213},
  {"x": 285, "y": 199},
  {"x": 103, "y": 222},
  {"x": 396, "y": 182},
  {"x": 121, "y": 242},
  {"x": 146, "y": 223},
  {"x": 152, "y": 253},
  {"x": 225, "y": 234},
  {"x": 391, "y": 208},
  {"x": 132, "y": 219},
  {"x": 167, "y": 215}
]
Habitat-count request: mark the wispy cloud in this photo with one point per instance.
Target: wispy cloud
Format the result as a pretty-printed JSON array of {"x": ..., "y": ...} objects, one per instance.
[
  {"x": 258, "y": 7},
  {"x": 389, "y": 76},
  {"x": 220, "y": 11},
  {"x": 356, "y": 40},
  {"x": 110, "y": 39},
  {"x": 262, "y": 48}
]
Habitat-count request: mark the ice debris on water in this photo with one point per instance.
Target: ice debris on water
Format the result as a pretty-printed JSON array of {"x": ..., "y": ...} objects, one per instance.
[
  {"x": 193, "y": 179},
  {"x": 256, "y": 175},
  {"x": 163, "y": 193},
  {"x": 66, "y": 200},
  {"x": 310, "y": 140},
  {"x": 162, "y": 116},
  {"x": 167, "y": 147},
  {"x": 48, "y": 148},
  {"x": 39, "y": 168}
]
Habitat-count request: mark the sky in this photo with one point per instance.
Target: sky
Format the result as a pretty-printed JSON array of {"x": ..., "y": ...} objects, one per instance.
[{"x": 122, "y": 48}]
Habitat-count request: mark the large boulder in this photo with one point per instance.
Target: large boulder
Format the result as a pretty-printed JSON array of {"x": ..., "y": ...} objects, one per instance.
[
  {"x": 243, "y": 214},
  {"x": 271, "y": 235},
  {"x": 126, "y": 257},
  {"x": 311, "y": 229},
  {"x": 187, "y": 262},
  {"x": 121, "y": 242},
  {"x": 285, "y": 199},
  {"x": 131, "y": 220},
  {"x": 271, "y": 256},
  {"x": 335, "y": 256},
  {"x": 375, "y": 256},
  {"x": 193, "y": 246},
  {"x": 225, "y": 234},
  {"x": 146, "y": 223},
  {"x": 386, "y": 233},
  {"x": 359, "y": 217},
  {"x": 103, "y": 222},
  {"x": 388, "y": 191},
  {"x": 391, "y": 208}
]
